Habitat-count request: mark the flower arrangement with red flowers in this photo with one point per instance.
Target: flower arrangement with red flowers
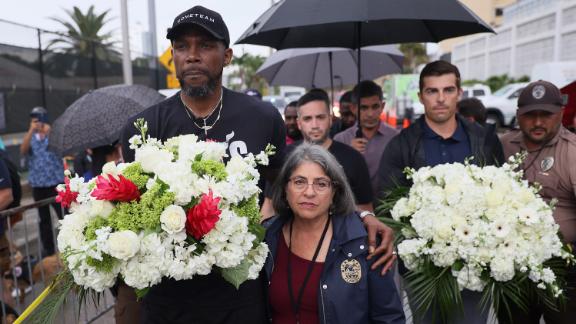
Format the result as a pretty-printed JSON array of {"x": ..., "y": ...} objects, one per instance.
[
  {"x": 66, "y": 196},
  {"x": 115, "y": 188},
  {"x": 202, "y": 217},
  {"x": 178, "y": 211}
]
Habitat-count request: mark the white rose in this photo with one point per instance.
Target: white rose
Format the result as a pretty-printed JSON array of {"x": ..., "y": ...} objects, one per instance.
[
  {"x": 173, "y": 219},
  {"x": 152, "y": 158},
  {"x": 110, "y": 168},
  {"x": 123, "y": 244},
  {"x": 101, "y": 208}
]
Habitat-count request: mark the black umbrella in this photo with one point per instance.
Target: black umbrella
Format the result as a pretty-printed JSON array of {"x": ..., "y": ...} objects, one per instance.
[
  {"x": 358, "y": 23},
  {"x": 98, "y": 117},
  {"x": 316, "y": 67}
]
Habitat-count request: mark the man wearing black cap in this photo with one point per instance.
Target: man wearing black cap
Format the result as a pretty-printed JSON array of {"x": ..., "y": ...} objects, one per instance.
[
  {"x": 200, "y": 43},
  {"x": 550, "y": 162}
]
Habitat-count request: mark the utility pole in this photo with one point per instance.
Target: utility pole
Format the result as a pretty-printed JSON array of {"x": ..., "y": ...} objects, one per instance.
[
  {"x": 126, "y": 61},
  {"x": 153, "y": 43},
  {"x": 152, "y": 27}
]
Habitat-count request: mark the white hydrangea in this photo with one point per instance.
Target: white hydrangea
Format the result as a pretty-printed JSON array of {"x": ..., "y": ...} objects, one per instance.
[
  {"x": 144, "y": 269},
  {"x": 230, "y": 241},
  {"x": 257, "y": 258},
  {"x": 486, "y": 218}
]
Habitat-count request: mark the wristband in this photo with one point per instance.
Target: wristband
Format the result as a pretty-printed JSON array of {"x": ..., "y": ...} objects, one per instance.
[{"x": 366, "y": 213}]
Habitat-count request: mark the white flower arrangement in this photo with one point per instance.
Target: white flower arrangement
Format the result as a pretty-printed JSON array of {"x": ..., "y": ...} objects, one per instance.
[
  {"x": 485, "y": 224},
  {"x": 178, "y": 211}
]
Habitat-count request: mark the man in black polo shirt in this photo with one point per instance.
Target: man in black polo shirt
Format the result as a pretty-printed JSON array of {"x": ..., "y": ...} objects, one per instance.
[
  {"x": 440, "y": 136},
  {"x": 314, "y": 121},
  {"x": 200, "y": 42}
]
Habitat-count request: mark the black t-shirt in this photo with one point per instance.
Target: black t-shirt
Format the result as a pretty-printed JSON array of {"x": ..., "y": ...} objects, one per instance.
[
  {"x": 354, "y": 167},
  {"x": 5, "y": 181},
  {"x": 248, "y": 125}
]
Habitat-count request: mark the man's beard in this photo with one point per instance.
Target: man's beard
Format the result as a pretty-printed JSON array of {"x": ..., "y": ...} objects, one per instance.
[
  {"x": 293, "y": 133},
  {"x": 319, "y": 141},
  {"x": 203, "y": 90}
]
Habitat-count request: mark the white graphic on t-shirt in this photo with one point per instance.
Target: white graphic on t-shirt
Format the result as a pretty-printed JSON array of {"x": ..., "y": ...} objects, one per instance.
[{"x": 237, "y": 147}]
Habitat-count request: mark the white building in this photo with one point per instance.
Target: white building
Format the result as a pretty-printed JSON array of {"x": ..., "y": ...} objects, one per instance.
[{"x": 534, "y": 31}]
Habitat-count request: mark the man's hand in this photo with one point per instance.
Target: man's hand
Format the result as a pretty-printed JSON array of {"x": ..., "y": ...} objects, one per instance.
[
  {"x": 386, "y": 247},
  {"x": 359, "y": 144}
]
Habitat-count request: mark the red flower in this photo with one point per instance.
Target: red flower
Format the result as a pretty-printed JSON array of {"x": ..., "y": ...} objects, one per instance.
[
  {"x": 66, "y": 197},
  {"x": 203, "y": 217},
  {"x": 115, "y": 189}
]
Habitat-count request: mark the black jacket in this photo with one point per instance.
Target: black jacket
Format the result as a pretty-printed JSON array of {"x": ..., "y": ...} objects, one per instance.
[{"x": 406, "y": 150}]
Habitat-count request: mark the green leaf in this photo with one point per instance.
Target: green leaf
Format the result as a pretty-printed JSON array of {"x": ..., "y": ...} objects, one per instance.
[
  {"x": 50, "y": 306},
  {"x": 434, "y": 289},
  {"x": 237, "y": 275},
  {"x": 140, "y": 293},
  {"x": 257, "y": 230}
]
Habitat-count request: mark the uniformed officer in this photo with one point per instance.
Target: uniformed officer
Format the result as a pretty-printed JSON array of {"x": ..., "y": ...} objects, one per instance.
[{"x": 550, "y": 162}]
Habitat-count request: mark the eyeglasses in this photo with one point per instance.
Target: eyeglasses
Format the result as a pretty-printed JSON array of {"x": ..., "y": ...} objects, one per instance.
[{"x": 319, "y": 185}]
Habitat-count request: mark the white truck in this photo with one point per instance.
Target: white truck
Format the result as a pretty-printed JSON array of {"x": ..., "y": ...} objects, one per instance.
[{"x": 501, "y": 105}]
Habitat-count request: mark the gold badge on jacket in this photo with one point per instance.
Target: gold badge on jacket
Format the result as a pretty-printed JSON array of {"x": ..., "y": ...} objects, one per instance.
[{"x": 351, "y": 271}]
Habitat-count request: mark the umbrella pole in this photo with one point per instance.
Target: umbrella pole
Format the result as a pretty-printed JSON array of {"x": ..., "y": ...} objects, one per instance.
[
  {"x": 358, "y": 46},
  {"x": 331, "y": 84}
]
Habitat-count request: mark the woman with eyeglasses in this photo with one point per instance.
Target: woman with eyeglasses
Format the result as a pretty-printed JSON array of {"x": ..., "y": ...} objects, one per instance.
[{"x": 317, "y": 270}]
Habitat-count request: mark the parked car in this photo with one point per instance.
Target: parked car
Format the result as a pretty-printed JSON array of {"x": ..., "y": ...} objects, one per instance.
[
  {"x": 501, "y": 105},
  {"x": 477, "y": 91}
]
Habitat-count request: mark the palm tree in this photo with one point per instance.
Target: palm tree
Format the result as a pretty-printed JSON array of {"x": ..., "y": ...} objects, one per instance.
[
  {"x": 83, "y": 35},
  {"x": 414, "y": 55},
  {"x": 247, "y": 65}
]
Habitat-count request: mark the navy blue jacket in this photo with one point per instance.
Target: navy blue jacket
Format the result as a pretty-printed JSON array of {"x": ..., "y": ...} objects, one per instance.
[
  {"x": 373, "y": 299},
  {"x": 406, "y": 150}
]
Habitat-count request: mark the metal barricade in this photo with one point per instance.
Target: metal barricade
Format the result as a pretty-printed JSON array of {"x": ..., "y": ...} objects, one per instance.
[{"x": 27, "y": 274}]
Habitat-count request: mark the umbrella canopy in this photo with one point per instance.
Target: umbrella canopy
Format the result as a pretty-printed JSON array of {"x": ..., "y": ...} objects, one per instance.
[
  {"x": 359, "y": 23},
  {"x": 324, "y": 66},
  {"x": 97, "y": 118}
]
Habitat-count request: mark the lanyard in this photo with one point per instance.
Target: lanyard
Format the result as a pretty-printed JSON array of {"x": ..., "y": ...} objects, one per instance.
[{"x": 296, "y": 303}]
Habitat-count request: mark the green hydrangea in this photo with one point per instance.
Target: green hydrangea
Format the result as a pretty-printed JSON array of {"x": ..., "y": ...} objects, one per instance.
[
  {"x": 143, "y": 214},
  {"x": 134, "y": 173},
  {"x": 94, "y": 224},
  {"x": 248, "y": 208},
  {"x": 105, "y": 265},
  {"x": 210, "y": 167}
]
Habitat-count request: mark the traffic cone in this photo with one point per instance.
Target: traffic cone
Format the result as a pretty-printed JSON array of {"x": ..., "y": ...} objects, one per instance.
[{"x": 406, "y": 123}]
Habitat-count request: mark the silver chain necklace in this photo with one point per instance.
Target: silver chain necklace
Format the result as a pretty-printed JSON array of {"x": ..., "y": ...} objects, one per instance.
[{"x": 206, "y": 128}]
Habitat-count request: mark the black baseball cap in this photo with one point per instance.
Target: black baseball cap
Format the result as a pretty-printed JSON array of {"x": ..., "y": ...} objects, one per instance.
[
  {"x": 203, "y": 17},
  {"x": 540, "y": 95}
]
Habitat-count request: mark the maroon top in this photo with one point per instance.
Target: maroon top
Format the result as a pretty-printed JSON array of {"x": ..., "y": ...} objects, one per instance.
[{"x": 279, "y": 296}]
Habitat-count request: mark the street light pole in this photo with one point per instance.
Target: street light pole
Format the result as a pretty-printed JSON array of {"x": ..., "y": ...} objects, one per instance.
[
  {"x": 126, "y": 61},
  {"x": 153, "y": 44}
]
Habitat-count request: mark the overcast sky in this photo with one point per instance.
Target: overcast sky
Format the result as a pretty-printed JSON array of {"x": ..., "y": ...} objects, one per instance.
[{"x": 238, "y": 15}]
